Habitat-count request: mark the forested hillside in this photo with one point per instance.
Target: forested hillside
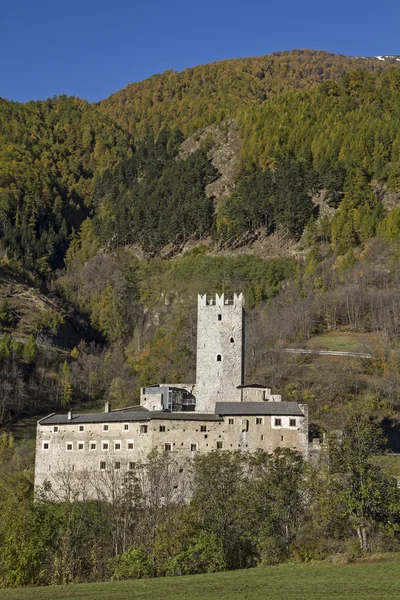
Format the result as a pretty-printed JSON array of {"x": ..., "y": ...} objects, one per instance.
[
  {"x": 277, "y": 176},
  {"x": 103, "y": 207}
]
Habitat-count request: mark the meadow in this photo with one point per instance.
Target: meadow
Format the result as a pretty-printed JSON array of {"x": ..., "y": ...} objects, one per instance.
[{"x": 364, "y": 581}]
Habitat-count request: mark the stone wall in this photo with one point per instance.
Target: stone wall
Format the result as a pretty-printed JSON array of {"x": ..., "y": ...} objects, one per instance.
[{"x": 220, "y": 351}]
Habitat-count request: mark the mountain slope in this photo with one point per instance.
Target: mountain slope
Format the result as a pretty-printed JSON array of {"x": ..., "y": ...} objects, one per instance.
[{"x": 199, "y": 96}]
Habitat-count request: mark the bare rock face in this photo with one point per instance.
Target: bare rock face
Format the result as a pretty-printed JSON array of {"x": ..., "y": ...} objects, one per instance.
[
  {"x": 389, "y": 200},
  {"x": 321, "y": 200},
  {"x": 223, "y": 143}
]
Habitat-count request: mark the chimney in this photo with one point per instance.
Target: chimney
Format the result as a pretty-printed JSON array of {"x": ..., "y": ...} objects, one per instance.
[
  {"x": 107, "y": 407},
  {"x": 69, "y": 415}
]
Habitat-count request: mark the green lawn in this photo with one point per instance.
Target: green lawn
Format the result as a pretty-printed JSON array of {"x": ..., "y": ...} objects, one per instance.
[
  {"x": 364, "y": 581},
  {"x": 347, "y": 342},
  {"x": 390, "y": 465}
]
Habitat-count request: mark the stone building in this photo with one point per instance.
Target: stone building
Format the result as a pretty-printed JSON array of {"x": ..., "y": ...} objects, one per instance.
[{"x": 217, "y": 412}]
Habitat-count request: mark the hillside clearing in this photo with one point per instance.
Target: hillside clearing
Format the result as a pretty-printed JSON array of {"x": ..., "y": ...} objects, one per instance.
[{"x": 342, "y": 341}]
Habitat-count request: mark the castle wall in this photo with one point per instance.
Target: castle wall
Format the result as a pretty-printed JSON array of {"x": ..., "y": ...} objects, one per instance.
[{"x": 92, "y": 470}]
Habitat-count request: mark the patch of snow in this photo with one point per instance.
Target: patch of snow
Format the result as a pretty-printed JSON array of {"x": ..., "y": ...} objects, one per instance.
[{"x": 380, "y": 57}]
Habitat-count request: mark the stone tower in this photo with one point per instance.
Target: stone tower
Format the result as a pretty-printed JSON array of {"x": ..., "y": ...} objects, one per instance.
[{"x": 220, "y": 351}]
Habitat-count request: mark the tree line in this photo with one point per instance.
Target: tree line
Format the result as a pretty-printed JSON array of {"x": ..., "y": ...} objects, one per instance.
[{"x": 237, "y": 511}]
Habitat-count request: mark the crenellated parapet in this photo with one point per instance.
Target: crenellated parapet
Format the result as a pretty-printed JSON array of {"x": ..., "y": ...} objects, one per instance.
[{"x": 220, "y": 300}]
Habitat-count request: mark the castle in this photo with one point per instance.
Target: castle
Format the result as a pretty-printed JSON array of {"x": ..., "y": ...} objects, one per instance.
[{"x": 217, "y": 412}]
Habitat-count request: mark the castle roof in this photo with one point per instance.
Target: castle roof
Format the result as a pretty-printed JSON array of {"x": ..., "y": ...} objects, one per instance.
[
  {"x": 221, "y": 409},
  {"x": 127, "y": 416},
  {"x": 258, "y": 408}
]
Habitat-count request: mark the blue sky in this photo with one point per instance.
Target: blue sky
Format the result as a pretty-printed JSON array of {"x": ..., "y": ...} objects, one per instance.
[{"x": 92, "y": 48}]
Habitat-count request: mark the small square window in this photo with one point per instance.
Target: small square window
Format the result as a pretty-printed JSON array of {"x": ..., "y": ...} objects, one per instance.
[
  {"x": 93, "y": 445},
  {"x": 203, "y": 428},
  {"x": 55, "y": 428},
  {"x": 259, "y": 420},
  {"x": 46, "y": 445},
  {"x": 69, "y": 446},
  {"x": 143, "y": 429},
  {"x": 81, "y": 446},
  {"x": 129, "y": 445},
  {"x": 102, "y": 465},
  {"x": 105, "y": 427},
  {"x": 219, "y": 445},
  {"x": 167, "y": 447},
  {"x": 278, "y": 422},
  {"x": 231, "y": 421},
  {"x": 105, "y": 446},
  {"x": 131, "y": 466},
  {"x": 125, "y": 427},
  {"x": 81, "y": 428},
  {"x": 117, "y": 465},
  {"x": 162, "y": 428},
  {"x": 193, "y": 447},
  {"x": 292, "y": 422},
  {"x": 117, "y": 445}
]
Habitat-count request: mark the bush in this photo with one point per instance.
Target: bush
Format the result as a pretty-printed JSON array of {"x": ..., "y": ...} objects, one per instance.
[
  {"x": 272, "y": 550},
  {"x": 132, "y": 564}
]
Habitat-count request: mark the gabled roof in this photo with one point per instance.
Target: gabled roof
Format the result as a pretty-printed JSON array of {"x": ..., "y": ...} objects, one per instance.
[{"x": 258, "y": 408}]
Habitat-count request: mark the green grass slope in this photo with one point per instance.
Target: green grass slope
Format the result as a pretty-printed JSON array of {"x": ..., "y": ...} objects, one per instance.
[{"x": 366, "y": 581}]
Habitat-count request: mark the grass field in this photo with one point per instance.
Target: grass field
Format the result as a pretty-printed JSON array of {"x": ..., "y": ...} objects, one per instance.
[
  {"x": 347, "y": 342},
  {"x": 364, "y": 581}
]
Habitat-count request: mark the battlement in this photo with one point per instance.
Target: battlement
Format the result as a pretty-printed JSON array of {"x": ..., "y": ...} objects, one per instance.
[{"x": 220, "y": 300}]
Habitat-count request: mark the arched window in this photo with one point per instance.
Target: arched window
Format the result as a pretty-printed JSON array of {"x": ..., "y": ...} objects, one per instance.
[
  {"x": 232, "y": 340},
  {"x": 219, "y": 357}
]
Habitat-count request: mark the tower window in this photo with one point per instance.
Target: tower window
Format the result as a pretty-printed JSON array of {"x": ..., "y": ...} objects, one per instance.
[
  {"x": 231, "y": 340},
  {"x": 219, "y": 357},
  {"x": 219, "y": 317}
]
